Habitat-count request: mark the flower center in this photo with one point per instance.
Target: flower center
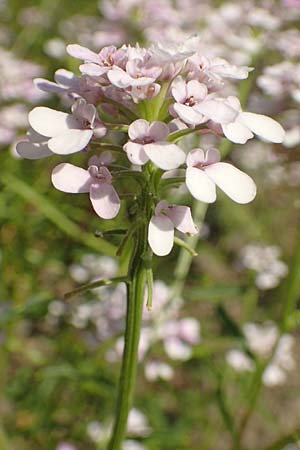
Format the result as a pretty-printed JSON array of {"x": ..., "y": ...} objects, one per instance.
[
  {"x": 109, "y": 61},
  {"x": 190, "y": 101},
  {"x": 147, "y": 140}
]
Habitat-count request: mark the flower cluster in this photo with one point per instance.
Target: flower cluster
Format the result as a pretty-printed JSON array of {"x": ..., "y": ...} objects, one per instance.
[
  {"x": 265, "y": 342},
  {"x": 265, "y": 261},
  {"x": 151, "y": 97}
]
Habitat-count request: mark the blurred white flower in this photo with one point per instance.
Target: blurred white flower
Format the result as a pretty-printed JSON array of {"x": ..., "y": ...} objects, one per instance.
[
  {"x": 265, "y": 261},
  {"x": 239, "y": 361},
  {"x": 264, "y": 341},
  {"x": 155, "y": 370},
  {"x": 138, "y": 424}
]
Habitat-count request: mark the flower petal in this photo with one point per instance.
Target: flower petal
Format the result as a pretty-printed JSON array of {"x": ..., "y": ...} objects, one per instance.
[
  {"x": 235, "y": 183},
  {"x": 138, "y": 129},
  {"x": 237, "y": 132},
  {"x": 263, "y": 126},
  {"x": 166, "y": 156},
  {"x": 179, "y": 90},
  {"x": 158, "y": 131},
  {"x": 188, "y": 114},
  {"x": 212, "y": 156},
  {"x": 72, "y": 179},
  {"x": 161, "y": 235},
  {"x": 50, "y": 122},
  {"x": 217, "y": 110},
  {"x": 29, "y": 150},
  {"x": 65, "y": 77},
  {"x": 118, "y": 77},
  {"x": 105, "y": 200},
  {"x": 182, "y": 219},
  {"x": 71, "y": 141},
  {"x": 48, "y": 86},
  {"x": 200, "y": 186},
  {"x": 136, "y": 153},
  {"x": 79, "y": 52},
  {"x": 194, "y": 157},
  {"x": 92, "y": 69},
  {"x": 196, "y": 90}
]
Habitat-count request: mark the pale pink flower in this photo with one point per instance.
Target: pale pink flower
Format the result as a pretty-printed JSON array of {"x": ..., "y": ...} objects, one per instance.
[
  {"x": 139, "y": 93},
  {"x": 68, "y": 133},
  {"x": 205, "y": 171},
  {"x": 138, "y": 72},
  {"x": 155, "y": 370},
  {"x": 187, "y": 97},
  {"x": 97, "y": 180},
  {"x": 65, "y": 446},
  {"x": 212, "y": 71},
  {"x": 174, "y": 52},
  {"x": 292, "y": 3},
  {"x": 162, "y": 224},
  {"x": 35, "y": 147},
  {"x": 68, "y": 83},
  {"x": 148, "y": 141},
  {"x": 238, "y": 126},
  {"x": 98, "y": 64}
]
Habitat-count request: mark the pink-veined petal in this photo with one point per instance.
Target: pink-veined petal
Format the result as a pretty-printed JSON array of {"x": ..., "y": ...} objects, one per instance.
[
  {"x": 105, "y": 200},
  {"x": 71, "y": 141},
  {"x": 158, "y": 131},
  {"x": 235, "y": 183},
  {"x": 200, "y": 186},
  {"x": 92, "y": 69},
  {"x": 48, "y": 86},
  {"x": 182, "y": 219},
  {"x": 237, "y": 132},
  {"x": 65, "y": 77},
  {"x": 196, "y": 90},
  {"x": 72, "y": 179},
  {"x": 164, "y": 155},
  {"x": 141, "y": 81},
  {"x": 79, "y": 52},
  {"x": 29, "y": 150},
  {"x": 136, "y": 153},
  {"x": 138, "y": 129},
  {"x": 50, "y": 122},
  {"x": 161, "y": 235},
  {"x": 188, "y": 114},
  {"x": 179, "y": 90},
  {"x": 118, "y": 77},
  {"x": 263, "y": 126},
  {"x": 212, "y": 156},
  {"x": 218, "y": 111},
  {"x": 194, "y": 157}
]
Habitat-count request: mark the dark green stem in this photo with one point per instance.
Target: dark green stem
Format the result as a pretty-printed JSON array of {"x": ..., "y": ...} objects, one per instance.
[{"x": 135, "y": 301}]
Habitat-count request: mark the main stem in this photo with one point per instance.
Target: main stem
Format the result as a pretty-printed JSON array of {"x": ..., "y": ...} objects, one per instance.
[{"x": 135, "y": 301}]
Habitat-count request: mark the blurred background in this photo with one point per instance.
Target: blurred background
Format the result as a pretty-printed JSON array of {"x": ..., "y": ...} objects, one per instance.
[{"x": 219, "y": 354}]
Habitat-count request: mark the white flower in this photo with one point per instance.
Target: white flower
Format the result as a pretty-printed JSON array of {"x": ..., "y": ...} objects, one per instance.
[
  {"x": 205, "y": 172},
  {"x": 162, "y": 224},
  {"x": 238, "y": 126}
]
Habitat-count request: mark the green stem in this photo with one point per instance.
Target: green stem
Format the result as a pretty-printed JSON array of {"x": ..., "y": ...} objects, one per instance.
[
  {"x": 290, "y": 438},
  {"x": 94, "y": 285},
  {"x": 135, "y": 301},
  {"x": 291, "y": 287}
]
